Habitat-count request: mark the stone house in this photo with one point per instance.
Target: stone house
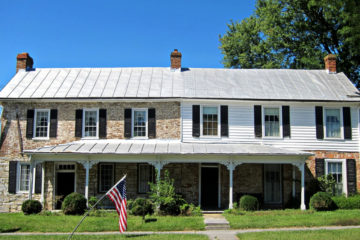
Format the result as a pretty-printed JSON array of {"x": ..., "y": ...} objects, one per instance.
[{"x": 221, "y": 133}]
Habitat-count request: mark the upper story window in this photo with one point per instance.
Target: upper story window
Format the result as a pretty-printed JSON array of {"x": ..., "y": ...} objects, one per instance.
[
  {"x": 332, "y": 122},
  {"x": 272, "y": 122},
  {"x": 90, "y": 123},
  {"x": 23, "y": 177},
  {"x": 41, "y": 123},
  {"x": 139, "y": 123},
  {"x": 210, "y": 121}
]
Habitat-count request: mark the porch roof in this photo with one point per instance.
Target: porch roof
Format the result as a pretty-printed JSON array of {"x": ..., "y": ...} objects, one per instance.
[{"x": 163, "y": 147}]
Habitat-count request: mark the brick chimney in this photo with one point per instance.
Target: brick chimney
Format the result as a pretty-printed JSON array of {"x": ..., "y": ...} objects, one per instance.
[
  {"x": 175, "y": 59},
  {"x": 330, "y": 63},
  {"x": 24, "y": 61}
]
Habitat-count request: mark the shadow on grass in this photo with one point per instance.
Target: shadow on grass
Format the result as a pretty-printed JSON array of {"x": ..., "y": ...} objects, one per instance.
[
  {"x": 150, "y": 220},
  {"x": 135, "y": 236},
  {"x": 10, "y": 230},
  {"x": 347, "y": 222}
]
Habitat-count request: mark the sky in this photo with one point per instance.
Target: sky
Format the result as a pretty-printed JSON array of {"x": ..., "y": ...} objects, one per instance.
[{"x": 115, "y": 33}]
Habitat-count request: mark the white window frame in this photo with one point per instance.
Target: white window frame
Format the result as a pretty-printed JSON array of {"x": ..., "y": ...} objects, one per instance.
[
  {"x": 280, "y": 122},
  {"x": 341, "y": 123},
  {"x": 112, "y": 176},
  {"x": 146, "y": 122},
  {"x": 202, "y": 122},
  {"x": 18, "y": 177},
  {"x": 56, "y": 170},
  {"x": 97, "y": 123},
  {"x": 344, "y": 171},
  {"x": 48, "y": 125}
]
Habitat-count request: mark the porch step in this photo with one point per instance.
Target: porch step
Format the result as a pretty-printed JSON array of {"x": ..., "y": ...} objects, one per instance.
[
  {"x": 212, "y": 212},
  {"x": 215, "y": 222}
]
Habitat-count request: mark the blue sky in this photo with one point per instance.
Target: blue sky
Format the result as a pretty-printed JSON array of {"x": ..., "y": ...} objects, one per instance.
[{"x": 85, "y": 33}]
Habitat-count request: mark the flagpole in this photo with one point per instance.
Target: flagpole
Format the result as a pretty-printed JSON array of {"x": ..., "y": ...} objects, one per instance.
[{"x": 87, "y": 213}]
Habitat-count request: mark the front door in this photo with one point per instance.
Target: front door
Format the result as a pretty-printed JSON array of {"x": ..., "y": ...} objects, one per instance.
[
  {"x": 272, "y": 183},
  {"x": 209, "y": 187},
  {"x": 65, "y": 182}
]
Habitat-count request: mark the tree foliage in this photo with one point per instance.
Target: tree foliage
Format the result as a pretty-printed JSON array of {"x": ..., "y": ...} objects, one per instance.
[{"x": 296, "y": 34}]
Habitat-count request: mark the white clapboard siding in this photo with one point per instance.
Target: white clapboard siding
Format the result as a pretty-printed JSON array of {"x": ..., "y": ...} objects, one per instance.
[{"x": 303, "y": 129}]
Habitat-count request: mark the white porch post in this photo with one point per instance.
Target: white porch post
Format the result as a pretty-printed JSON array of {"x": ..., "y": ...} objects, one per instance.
[
  {"x": 293, "y": 182},
  {"x": 302, "y": 169},
  {"x": 31, "y": 180},
  {"x": 87, "y": 168},
  {"x": 231, "y": 165},
  {"x": 42, "y": 183}
]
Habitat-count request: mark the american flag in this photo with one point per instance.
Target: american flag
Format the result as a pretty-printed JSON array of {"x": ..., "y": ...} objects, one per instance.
[{"x": 117, "y": 194}]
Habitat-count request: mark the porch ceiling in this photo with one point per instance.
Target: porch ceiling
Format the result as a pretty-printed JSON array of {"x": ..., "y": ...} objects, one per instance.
[{"x": 163, "y": 147}]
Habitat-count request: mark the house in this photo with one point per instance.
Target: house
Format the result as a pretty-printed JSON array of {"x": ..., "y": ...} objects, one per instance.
[{"x": 221, "y": 133}]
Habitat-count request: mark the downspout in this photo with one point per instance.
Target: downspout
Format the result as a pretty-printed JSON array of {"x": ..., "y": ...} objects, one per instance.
[{"x": 21, "y": 146}]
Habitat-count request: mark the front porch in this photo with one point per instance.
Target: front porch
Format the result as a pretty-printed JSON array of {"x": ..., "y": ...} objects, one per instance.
[{"x": 212, "y": 180}]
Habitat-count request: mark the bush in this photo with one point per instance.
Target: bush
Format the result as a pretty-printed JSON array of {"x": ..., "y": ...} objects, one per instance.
[
  {"x": 190, "y": 210},
  {"x": 31, "y": 207},
  {"x": 342, "y": 202},
  {"x": 249, "y": 203},
  {"x": 129, "y": 204},
  {"x": 142, "y": 207},
  {"x": 73, "y": 204},
  {"x": 92, "y": 201},
  {"x": 322, "y": 201},
  {"x": 327, "y": 184}
]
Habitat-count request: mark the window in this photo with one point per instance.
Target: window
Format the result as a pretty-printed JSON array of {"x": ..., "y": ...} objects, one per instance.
[
  {"x": 41, "y": 123},
  {"x": 90, "y": 123},
  {"x": 139, "y": 128},
  {"x": 272, "y": 122},
  {"x": 210, "y": 121},
  {"x": 333, "y": 123},
  {"x": 106, "y": 178},
  {"x": 145, "y": 175},
  {"x": 336, "y": 167},
  {"x": 23, "y": 177}
]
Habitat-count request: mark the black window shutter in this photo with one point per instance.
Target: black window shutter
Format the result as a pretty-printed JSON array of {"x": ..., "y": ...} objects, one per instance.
[
  {"x": 38, "y": 177},
  {"x": 351, "y": 176},
  {"x": 319, "y": 122},
  {"x": 257, "y": 121},
  {"x": 78, "y": 123},
  {"x": 30, "y": 123},
  {"x": 224, "y": 121},
  {"x": 347, "y": 122},
  {"x": 102, "y": 123},
  {"x": 53, "y": 123},
  {"x": 127, "y": 125},
  {"x": 151, "y": 123},
  {"x": 286, "y": 121},
  {"x": 12, "y": 176},
  {"x": 196, "y": 120},
  {"x": 319, "y": 167}
]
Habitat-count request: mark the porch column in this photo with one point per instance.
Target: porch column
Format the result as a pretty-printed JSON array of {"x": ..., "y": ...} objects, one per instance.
[
  {"x": 42, "y": 184},
  {"x": 302, "y": 169},
  {"x": 31, "y": 180},
  {"x": 231, "y": 165},
  {"x": 87, "y": 168},
  {"x": 158, "y": 166}
]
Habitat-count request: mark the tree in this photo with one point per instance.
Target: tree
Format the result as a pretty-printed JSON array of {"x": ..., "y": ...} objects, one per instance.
[{"x": 296, "y": 34}]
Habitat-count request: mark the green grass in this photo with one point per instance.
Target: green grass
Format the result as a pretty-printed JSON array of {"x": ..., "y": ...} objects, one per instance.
[
  {"x": 18, "y": 222},
  {"x": 292, "y": 218},
  {"x": 348, "y": 234},
  {"x": 110, "y": 237}
]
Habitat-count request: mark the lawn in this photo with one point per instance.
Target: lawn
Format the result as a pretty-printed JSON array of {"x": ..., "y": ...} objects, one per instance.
[
  {"x": 292, "y": 218},
  {"x": 348, "y": 234},
  {"x": 18, "y": 222},
  {"x": 110, "y": 237}
]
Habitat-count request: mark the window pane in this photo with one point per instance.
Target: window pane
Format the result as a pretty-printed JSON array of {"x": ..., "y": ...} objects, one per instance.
[
  {"x": 90, "y": 127},
  {"x": 41, "y": 125},
  {"x": 333, "y": 123},
  {"x": 106, "y": 177},
  {"x": 272, "y": 122},
  {"x": 210, "y": 121},
  {"x": 145, "y": 176},
  {"x": 24, "y": 177},
  {"x": 335, "y": 169},
  {"x": 139, "y": 123}
]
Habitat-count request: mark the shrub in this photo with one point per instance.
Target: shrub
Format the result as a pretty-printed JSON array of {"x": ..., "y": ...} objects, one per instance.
[
  {"x": 142, "y": 207},
  {"x": 129, "y": 204},
  {"x": 249, "y": 203},
  {"x": 31, "y": 207},
  {"x": 92, "y": 201},
  {"x": 342, "y": 202},
  {"x": 163, "y": 195},
  {"x": 327, "y": 184},
  {"x": 190, "y": 210},
  {"x": 74, "y": 203},
  {"x": 322, "y": 201}
]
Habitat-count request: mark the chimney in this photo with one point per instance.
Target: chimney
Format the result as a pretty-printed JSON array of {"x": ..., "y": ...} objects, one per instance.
[
  {"x": 24, "y": 62},
  {"x": 330, "y": 63},
  {"x": 175, "y": 59}
]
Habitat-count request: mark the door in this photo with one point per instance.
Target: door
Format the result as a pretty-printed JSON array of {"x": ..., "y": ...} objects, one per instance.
[
  {"x": 209, "y": 187},
  {"x": 65, "y": 184},
  {"x": 272, "y": 183}
]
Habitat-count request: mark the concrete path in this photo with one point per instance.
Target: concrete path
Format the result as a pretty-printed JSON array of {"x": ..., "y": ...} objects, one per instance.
[{"x": 212, "y": 234}]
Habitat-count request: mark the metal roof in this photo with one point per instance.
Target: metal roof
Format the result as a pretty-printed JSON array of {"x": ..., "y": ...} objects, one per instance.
[
  {"x": 159, "y": 147},
  {"x": 98, "y": 83}
]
